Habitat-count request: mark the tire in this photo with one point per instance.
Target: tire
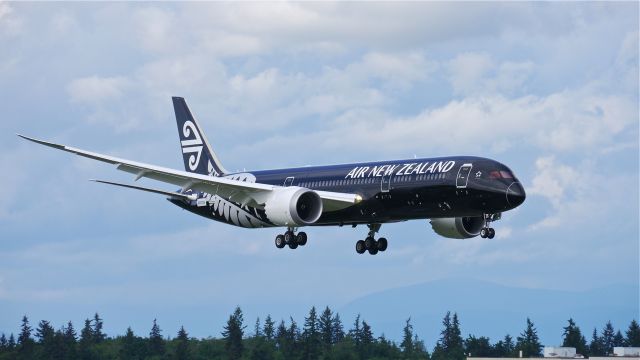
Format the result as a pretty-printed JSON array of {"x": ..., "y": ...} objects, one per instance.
[
  {"x": 492, "y": 233},
  {"x": 483, "y": 233},
  {"x": 360, "y": 247},
  {"x": 301, "y": 239},
  {"x": 280, "y": 243},
  {"x": 289, "y": 238},
  {"x": 293, "y": 245},
  {"x": 373, "y": 250},
  {"x": 370, "y": 243},
  {"x": 382, "y": 244}
]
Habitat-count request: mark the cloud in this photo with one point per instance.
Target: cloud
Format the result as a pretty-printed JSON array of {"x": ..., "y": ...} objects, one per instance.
[{"x": 96, "y": 89}]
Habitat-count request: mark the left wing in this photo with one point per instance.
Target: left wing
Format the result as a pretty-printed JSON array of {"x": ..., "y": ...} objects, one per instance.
[{"x": 245, "y": 193}]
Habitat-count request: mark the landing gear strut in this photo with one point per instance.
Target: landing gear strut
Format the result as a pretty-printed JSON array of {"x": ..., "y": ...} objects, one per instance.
[
  {"x": 370, "y": 243},
  {"x": 487, "y": 231},
  {"x": 291, "y": 238}
]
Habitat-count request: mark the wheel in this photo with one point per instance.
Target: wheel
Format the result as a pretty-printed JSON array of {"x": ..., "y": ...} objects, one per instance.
[
  {"x": 491, "y": 234},
  {"x": 289, "y": 237},
  {"x": 301, "y": 239},
  {"x": 293, "y": 245},
  {"x": 370, "y": 242},
  {"x": 483, "y": 233},
  {"x": 361, "y": 247},
  {"x": 373, "y": 250},
  {"x": 382, "y": 244},
  {"x": 280, "y": 243}
]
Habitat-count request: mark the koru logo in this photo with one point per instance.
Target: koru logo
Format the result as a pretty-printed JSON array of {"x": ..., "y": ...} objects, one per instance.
[{"x": 191, "y": 146}]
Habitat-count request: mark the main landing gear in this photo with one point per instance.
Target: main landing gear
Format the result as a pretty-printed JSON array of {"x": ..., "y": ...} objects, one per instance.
[
  {"x": 370, "y": 243},
  {"x": 487, "y": 232},
  {"x": 291, "y": 238}
]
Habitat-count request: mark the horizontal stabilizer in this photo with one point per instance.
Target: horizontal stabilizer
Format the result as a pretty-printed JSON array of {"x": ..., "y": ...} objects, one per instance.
[{"x": 161, "y": 192}]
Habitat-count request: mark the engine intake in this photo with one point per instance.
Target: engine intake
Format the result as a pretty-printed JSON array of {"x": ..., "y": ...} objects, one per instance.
[
  {"x": 459, "y": 227},
  {"x": 293, "y": 206}
]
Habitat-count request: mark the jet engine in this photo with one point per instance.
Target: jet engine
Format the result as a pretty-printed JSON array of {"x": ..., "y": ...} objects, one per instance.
[
  {"x": 293, "y": 206},
  {"x": 458, "y": 227}
]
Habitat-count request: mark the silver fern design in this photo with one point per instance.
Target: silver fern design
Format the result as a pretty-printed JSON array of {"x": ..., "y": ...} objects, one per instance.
[
  {"x": 191, "y": 145},
  {"x": 233, "y": 213}
]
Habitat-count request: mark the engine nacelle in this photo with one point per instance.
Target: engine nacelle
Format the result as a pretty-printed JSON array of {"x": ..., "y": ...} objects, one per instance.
[
  {"x": 459, "y": 227},
  {"x": 293, "y": 206}
]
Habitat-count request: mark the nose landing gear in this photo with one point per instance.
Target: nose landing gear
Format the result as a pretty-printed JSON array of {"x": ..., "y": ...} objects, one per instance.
[
  {"x": 370, "y": 243},
  {"x": 291, "y": 238},
  {"x": 487, "y": 232}
]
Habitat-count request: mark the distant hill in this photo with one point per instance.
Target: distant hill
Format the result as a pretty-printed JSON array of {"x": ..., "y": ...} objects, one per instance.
[{"x": 494, "y": 310}]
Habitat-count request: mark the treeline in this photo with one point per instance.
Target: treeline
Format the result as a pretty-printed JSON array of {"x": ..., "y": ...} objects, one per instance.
[{"x": 321, "y": 336}]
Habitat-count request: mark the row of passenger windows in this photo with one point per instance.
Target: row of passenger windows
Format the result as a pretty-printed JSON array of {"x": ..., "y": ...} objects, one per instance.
[{"x": 376, "y": 180}]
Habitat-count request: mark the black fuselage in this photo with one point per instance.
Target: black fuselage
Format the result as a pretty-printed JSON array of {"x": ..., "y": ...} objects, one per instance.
[{"x": 391, "y": 191}]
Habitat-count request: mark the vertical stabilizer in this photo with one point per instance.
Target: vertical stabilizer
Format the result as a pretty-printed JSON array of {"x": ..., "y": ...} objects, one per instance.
[{"x": 196, "y": 151}]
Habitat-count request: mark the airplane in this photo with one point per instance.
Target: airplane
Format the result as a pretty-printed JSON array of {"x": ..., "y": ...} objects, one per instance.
[{"x": 460, "y": 195}]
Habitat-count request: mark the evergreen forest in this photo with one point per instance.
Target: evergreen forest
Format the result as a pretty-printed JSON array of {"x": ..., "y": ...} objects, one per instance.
[{"x": 321, "y": 336}]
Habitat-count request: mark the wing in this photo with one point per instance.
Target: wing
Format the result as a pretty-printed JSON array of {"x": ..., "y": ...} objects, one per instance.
[{"x": 245, "y": 193}]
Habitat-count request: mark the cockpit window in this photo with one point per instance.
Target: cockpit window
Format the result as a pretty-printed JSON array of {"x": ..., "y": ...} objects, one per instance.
[{"x": 500, "y": 175}]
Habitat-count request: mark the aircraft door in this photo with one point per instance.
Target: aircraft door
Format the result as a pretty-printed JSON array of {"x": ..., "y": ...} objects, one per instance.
[
  {"x": 288, "y": 181},
  {"x": 463, "y": 176},
  {"x": 386, "y": 183}
]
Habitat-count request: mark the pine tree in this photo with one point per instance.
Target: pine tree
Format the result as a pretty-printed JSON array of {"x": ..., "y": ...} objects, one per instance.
[
  {"x": 69, "y": 339},
  {"x": 337, "y": 330},
  {"x": 233, "y": 333},
  {"x": 182, "y": 346},
  {"x": 450, "y": 345},
  {"x": 505, "y": 347},
  {"x": 156, "y": 342},
  {"x": 25, "y": 342},
  {"x": 45, "y": 335},
  {"x": 633, "y": 334},
  {"x": 269, "y": 328},
  {"x": 607, "y": 338},
  {"x": 325, "y": 326},
  {"x": 311, "y": 335},
  {"x": 257, "y": 332},
  {"x": 12, "y": 342},
  {"x": 572, "y": 337},
  {"x": 619, "y": 340},
  {"x": 4, "y": 343},
  {"x": 407, "y": 339},
  {"x": 478, "y": 346},
  {"x": 128, "y": 346},
  {"x": 281, "y": 336},
  {"x": 596, "y": 348},
  {"x": 86, "y": 341},
  {"x": 528, "y": 341},
  {"x": 356, "y": 332},
  {"x": 98, "y": 335},
  {"x": 367, "y": 341}
]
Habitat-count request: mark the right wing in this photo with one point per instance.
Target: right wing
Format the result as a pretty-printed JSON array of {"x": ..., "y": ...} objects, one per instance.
[{"x": 245, "y": 193}]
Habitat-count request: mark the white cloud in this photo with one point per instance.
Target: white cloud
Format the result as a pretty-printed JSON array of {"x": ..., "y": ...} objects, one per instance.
[{"x": 96, "y": 89}]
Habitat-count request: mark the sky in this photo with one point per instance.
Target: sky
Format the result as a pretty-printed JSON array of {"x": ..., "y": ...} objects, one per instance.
[{"x": 550, "y": 89}]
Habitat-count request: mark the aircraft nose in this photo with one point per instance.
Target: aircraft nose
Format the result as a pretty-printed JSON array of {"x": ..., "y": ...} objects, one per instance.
[{"x": 515, "y": 194}]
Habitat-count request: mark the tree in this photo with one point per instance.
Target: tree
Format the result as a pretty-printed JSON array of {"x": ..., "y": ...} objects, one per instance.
[
  {"x": 45, "y": 335},
  {"x": 366, "y": 342},
  {"x": 25, "y": 342},
  {"x": 156, "y": 342},
  {"x": 337, "y": 330},
  {"x": 572, "y": 337},
  {"x": 596, "y": 348},
  {"x": 633, "y": 334},
  {"x": 619, "y": 340},
  {"x": 233, "y": 333},
  {"x": 86, "y": 340},
  {"x": 257, "y": 332},
  {"x": 450, "y": 345},
  {"x": 529, "y": 342},
  {"x": 505, "y": 347},
  {"x": 12, "y": 342},
  {"x": 478, "y": 346},
  {"x": 269, "y": 328},
  {"x": 356, "y": 332},
  {"x": 98, "y": 335},
  {"x": 325, "y": 327},
  {"x": 69, "y": 340},
  {"x": 4, "y": 343},
  {"x": 607, "y": 338},
  {"x": 407, "y": 339},
  {"x": 182, "y": 346},
  {"x": 311, "y": 335},
  {"x": 128, "y": 345}
]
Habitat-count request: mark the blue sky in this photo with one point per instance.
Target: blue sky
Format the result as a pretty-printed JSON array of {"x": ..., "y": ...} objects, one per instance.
[{"x": 549, "y": 89}]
